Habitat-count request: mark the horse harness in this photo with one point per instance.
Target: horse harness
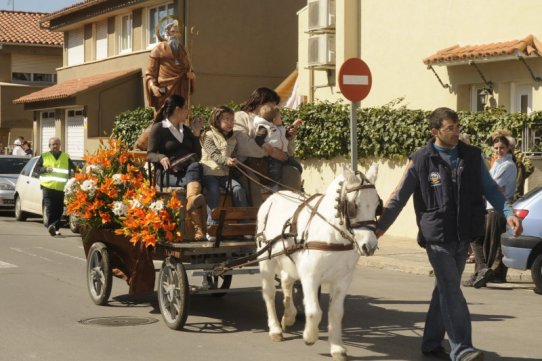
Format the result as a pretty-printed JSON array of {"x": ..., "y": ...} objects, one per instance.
[{"x": 345, "y": 211}]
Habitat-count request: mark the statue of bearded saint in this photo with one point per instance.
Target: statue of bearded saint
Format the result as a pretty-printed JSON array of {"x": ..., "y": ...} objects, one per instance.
[{"x": 169, "y": 71}]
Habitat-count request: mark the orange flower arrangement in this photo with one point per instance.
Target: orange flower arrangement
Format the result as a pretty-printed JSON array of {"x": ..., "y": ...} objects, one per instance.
[
  {"x": 112, "y": 193},
  {"x": 149, "y": 219}
]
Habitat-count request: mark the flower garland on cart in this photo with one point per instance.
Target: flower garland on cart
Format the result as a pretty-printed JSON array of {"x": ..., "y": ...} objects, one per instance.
[{"x": 112, "y": 192}]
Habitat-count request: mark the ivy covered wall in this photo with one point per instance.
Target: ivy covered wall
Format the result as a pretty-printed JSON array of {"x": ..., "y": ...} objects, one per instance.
[{"x": 391, "y": 131}]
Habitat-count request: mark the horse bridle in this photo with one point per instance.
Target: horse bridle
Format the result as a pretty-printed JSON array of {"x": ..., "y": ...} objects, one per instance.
[{"x": 348, "y": 210}]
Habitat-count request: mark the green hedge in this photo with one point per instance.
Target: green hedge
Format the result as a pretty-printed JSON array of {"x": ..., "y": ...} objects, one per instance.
[{"x": 391, "y": 131}]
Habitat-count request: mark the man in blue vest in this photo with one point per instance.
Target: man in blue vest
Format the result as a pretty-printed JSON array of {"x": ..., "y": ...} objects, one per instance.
[
  {"x": 54, "y": 168},
  {"x": 449, "y": 180}
]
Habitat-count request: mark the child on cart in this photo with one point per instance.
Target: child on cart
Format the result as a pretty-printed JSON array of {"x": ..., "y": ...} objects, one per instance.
[
  {"x": 219, "y": 145},
  {"x": 269, "y": 129}
]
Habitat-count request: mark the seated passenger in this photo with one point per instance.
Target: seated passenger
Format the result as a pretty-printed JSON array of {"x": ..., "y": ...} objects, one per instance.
[
  {"x": 269, "y": 129},
  {"x": 219, "y": 145},
  {"x": 171, "y": 141},
  {"x": 248, "y": 148}
]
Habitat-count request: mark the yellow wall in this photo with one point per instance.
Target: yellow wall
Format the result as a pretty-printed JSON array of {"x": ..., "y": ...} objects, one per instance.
[{"x": 394, "y": 36}]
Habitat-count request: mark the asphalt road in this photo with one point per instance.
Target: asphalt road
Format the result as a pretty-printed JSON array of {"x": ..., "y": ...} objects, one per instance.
[{"x": 43, "y": 299}]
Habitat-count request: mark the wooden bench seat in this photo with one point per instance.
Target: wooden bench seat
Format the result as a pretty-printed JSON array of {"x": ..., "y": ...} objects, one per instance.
[{"x": 233, "y": 223}]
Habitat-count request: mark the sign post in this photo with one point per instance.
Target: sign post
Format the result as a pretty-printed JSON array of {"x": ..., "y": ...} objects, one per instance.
[{"x": 355, "y": 82}]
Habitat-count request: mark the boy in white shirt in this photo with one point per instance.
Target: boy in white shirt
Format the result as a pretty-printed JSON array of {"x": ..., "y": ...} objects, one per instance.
[{"x": 269, "y": 129}]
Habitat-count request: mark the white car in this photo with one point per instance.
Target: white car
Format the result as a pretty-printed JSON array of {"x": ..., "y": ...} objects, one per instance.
[
  {"x": 28, "y": 195},
  {"x": 10, "y": 167}
]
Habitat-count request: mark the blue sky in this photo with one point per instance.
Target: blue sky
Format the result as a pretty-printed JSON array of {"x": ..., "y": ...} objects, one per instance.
[{"x": 44, "y": 6}]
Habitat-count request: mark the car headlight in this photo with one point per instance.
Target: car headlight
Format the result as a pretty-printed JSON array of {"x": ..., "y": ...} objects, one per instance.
[{"x": 6, "y": 186}]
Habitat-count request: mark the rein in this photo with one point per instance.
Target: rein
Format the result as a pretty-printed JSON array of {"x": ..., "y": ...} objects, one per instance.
[{"x": 300, "y": 244}]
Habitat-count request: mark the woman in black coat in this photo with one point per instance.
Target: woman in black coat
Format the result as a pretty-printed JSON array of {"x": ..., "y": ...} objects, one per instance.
[{"x": 171, "y": 141}]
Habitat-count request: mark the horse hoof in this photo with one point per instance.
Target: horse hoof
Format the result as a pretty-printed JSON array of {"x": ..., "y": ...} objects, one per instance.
[
  {"x": 339, "y": 356},
  {"x": 276, "y": 337},
  {"x": 309, "y": 343}
]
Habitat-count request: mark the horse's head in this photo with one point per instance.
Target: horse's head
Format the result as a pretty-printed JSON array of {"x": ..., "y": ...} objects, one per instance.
[{"x": 358, "y": 205}]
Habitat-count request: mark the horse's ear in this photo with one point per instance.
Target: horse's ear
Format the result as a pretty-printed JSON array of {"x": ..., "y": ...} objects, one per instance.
[
  {"x": 372, "y": 173},
  {"x": 347, "y": 173}
]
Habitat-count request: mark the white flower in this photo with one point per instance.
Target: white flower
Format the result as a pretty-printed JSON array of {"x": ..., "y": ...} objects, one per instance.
[
  {"x": 94, "y": 169},
  {"x": 157, "y": 206},
  {"x": 117, "y": 178},
  {"x": 89, "y": 186},
  {"x": 119, "y": 208},
  {"x": 70, "y": 186},
  {"x": 136, "y": 204}
]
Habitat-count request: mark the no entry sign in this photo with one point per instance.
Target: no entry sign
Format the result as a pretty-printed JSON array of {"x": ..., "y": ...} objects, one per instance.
[{"x": 355, "y": 79}]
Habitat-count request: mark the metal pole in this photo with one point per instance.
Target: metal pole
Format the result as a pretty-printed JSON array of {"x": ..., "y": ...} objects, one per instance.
[{"x": 354, "y": 136}]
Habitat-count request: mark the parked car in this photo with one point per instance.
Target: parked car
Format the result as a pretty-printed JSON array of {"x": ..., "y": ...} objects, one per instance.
[
  {"x": 28, "y": 196},
  {"x": 525, "y": 252},
  {"x": 10, "y": 167}
]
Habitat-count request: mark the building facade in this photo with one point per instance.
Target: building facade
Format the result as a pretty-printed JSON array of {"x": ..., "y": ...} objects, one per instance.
[
  {"x": 461, "y": 54},
  {"x": 235, "y": 46},
  {"x": 29, "y": 57}
]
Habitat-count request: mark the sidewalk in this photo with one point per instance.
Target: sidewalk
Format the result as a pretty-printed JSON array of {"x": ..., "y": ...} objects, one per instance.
[{"x": 403, "y": 254}]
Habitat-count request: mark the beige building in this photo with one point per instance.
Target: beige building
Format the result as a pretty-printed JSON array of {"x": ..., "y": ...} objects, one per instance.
[
  {"x": 456, "y": 53},
  {"x": 29, "y": 57},
  {"x": 235, "y": 46}
]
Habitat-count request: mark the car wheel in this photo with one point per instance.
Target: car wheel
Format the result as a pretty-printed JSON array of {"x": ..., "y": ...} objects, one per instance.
[
  {"x": 45, "y": 218},
  {"x": 536, "y": 271},
  {"x": 74, "y": 224},
  {"x": 19, "y": 214}
]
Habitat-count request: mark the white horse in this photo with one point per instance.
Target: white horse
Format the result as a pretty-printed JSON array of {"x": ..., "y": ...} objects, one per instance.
[{"x": 316, "y": 240}]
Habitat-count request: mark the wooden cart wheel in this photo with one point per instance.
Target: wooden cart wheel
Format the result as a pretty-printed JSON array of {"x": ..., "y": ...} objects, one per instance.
[
  {"x": 218, "y": 282},
  {"x": 99, "y": 274},
  {"x": 173, "y": 293}
]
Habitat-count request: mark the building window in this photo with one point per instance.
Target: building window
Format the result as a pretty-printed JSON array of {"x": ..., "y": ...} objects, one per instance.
[
  {"x": 479, "y": 100},
  {"x": 33, "y": 77},
  {"x": 155, "y": 14},
  {"x": 24, "y": 77},
  {"x": 101, "y": 40},
  {"x": 125, "y": 33},
  {"x": 76, "y": 47}
]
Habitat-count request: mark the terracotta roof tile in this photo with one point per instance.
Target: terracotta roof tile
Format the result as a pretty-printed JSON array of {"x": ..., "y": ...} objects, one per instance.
[
  {"x": 19, "y": 27},
  {"x": 72, "y": 87},
  {"x": 74, "y": 7},
  {"x": 528, "y": 46}
]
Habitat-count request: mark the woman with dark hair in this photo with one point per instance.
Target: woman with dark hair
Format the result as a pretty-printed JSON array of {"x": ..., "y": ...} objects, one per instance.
[
  {"x": 248, "y": 148},
  {"x": 488, "y": 255},
  {"x": 171, "y": 140}
]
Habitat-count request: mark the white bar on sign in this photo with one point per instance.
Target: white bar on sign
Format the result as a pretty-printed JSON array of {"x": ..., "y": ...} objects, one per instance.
[
  {"x": 355, "y": 79},
  {"x": 6, "y": 265}
]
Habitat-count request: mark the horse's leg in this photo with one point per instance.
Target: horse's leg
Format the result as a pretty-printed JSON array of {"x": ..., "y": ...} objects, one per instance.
[
  {"x": 287, "y": 282},
  {"x": 313, "y": 312},
  {"x": 335, "y": 314},
  {"x": 267, "y": 271}
]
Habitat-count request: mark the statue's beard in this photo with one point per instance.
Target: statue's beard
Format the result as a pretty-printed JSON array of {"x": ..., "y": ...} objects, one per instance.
[{"x": 173, "y": 43}]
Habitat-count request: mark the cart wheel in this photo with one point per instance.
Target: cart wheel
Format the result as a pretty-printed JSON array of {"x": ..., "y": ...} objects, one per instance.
[
  {"x": 297, "y": 295},
  {"x": 99, "y": 275},
  {"x": 218, "y": 282},
  {"x": 173, "y": 293}
]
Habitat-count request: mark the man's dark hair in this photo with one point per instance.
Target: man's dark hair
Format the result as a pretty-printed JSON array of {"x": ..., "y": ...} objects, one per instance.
[{"x": 437, "y": 117}]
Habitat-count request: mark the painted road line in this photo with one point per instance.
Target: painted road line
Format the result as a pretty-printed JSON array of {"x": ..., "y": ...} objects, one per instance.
[
  {"x": 30, "y": 254},
  {"x": 63, "y": 254},
  {"x": 6, "y": 265}
]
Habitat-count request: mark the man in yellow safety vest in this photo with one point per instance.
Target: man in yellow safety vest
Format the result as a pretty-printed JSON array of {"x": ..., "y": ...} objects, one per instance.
[{"x": 54, "y": 168}]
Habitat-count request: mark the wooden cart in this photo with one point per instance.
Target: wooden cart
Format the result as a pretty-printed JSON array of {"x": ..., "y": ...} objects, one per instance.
[{"x": 111, "y": 255}]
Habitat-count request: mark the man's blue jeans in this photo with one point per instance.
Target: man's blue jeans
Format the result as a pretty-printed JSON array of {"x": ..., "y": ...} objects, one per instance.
[
  {"x": 212, "y": 185},
  {"x": 448, "y": 311}
]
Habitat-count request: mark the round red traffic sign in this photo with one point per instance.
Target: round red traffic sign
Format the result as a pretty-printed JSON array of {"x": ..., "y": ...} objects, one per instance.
[{"x": 355, "y": 79}]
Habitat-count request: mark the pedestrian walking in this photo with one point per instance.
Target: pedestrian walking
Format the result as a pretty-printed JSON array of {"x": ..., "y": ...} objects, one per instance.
[
  {"x": 449, "y": 181},
  {"x": 54, "y": 168}
]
